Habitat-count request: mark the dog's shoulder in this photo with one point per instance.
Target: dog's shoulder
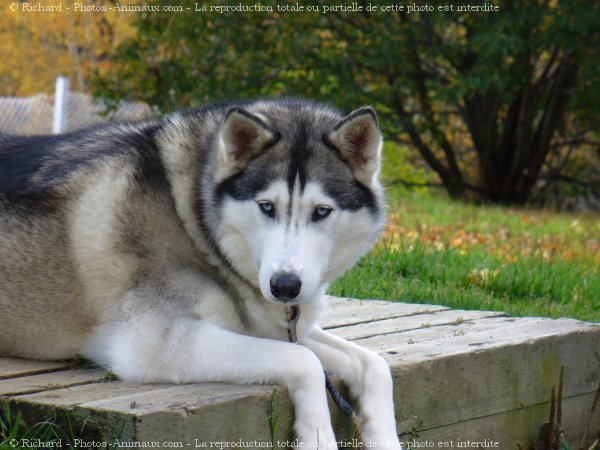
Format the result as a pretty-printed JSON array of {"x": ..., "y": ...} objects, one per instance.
[
  {"x": 34, "y": 165},
  {"x": 20, "y": 158}
]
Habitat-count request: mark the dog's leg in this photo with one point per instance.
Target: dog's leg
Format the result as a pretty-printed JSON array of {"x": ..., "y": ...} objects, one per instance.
[
  {"x": 369, "y": 380},
  {"x": 156, "y": 349}
]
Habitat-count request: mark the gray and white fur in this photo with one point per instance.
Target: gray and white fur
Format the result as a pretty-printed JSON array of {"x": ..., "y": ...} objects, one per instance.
[{"x": 169, "y": 250}]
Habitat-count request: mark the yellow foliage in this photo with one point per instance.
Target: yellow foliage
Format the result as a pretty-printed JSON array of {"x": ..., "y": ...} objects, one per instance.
[
  {"x": 482, "y": 276},
  {"x": 509, "y": 246},
  {"x": 36, "y": 47}
]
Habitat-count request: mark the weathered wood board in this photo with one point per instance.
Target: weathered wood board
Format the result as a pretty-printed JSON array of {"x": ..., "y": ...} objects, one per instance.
[
  {"x": 11, "y": 367},
  {"x": 52, "y": 380},
  {"x": 459, "y": 376}
]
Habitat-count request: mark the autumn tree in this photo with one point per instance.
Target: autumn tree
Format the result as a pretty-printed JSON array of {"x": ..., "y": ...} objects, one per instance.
[
  {"x": 484, "y": 97},
  {"x": 35, "y": 48}
]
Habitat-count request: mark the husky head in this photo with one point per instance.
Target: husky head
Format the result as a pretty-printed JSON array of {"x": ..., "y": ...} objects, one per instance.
[{"x": 298, "y": 193}]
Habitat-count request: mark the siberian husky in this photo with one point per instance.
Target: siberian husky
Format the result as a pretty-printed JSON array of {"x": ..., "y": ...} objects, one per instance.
[{"x": 170, "y": 250}]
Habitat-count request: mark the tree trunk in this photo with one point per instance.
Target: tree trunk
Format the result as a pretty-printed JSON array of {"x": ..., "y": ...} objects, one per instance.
[{"x": 510, "y": 166}]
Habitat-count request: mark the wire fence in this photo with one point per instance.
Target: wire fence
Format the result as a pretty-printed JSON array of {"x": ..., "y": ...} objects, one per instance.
[{"x": 34, "y": 115}]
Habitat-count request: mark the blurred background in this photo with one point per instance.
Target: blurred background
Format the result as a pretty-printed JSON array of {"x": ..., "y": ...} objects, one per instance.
[{"x": 492, "y": 154}]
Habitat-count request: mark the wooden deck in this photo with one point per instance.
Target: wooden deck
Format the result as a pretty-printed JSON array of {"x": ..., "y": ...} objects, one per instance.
[{"x": 459, "y": 376}]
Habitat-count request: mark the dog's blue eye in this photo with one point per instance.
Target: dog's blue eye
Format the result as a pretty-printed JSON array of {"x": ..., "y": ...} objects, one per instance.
[
  {"x": 267, "y": 208},
  {"x": 321, "y": 212}
]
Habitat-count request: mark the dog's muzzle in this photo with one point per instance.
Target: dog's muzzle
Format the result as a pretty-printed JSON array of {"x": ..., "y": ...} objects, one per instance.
[{"x": 285, "y": 286}]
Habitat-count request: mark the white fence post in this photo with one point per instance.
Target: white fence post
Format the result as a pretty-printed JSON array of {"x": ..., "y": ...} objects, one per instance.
[{"x": 61, "y": 93}]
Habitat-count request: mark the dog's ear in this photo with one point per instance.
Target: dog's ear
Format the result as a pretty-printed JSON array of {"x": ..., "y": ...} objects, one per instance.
[
  {"x": 358, "y": 140},
  {"x": 243, "y": 135}
]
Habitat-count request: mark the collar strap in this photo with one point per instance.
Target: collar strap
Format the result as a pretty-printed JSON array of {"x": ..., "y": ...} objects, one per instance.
[{"x": 293, "y": 314}]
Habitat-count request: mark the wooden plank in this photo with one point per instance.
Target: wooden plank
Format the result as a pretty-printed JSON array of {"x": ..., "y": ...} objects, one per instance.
[
  {"x": 237, "y": 419},
  {"x": 153, "y": 412},
  {"x": 445, "y": 380},
  {"x": 422, "y": 388},
  {"x": 454, "y": 375},
  {"x": 220, "y": 411},
  {"x": 412, "y": 322},
  {"x": 178, "y": 398},
  {"x": 12, "y": 367},
  {"x": 510, "y": 428},
  {"x": 50, "y": 381},
  {"x": 343, "y": 312},
  {"x": 209, "y": 412},
  {"x": 423, "y": 343},
  {"x": 67, "y": 398}
]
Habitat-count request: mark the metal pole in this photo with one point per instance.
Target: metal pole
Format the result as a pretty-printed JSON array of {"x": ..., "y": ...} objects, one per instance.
[{"x": 59, "y": 124}]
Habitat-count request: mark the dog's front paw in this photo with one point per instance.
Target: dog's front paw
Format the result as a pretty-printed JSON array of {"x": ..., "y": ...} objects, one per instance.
[
  {"x": 380, "y": 434},
  {"x": 315, "y": 437}
]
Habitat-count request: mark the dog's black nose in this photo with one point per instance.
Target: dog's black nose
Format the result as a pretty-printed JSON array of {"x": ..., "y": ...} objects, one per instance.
[{"x": 285, "y": 285}]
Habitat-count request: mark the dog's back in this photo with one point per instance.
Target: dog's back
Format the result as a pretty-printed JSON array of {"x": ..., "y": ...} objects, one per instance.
[
  {"x": 60, "y": 197},
  {"x": 36, "y": 269}
]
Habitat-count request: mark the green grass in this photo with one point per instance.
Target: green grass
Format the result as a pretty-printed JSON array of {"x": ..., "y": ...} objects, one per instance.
[
  {"x": 15, "y": 433},
  {"x": 273, "y": 414},
  {"x": 66, "y": 430},
  {"x": 479, "y": 257}
]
